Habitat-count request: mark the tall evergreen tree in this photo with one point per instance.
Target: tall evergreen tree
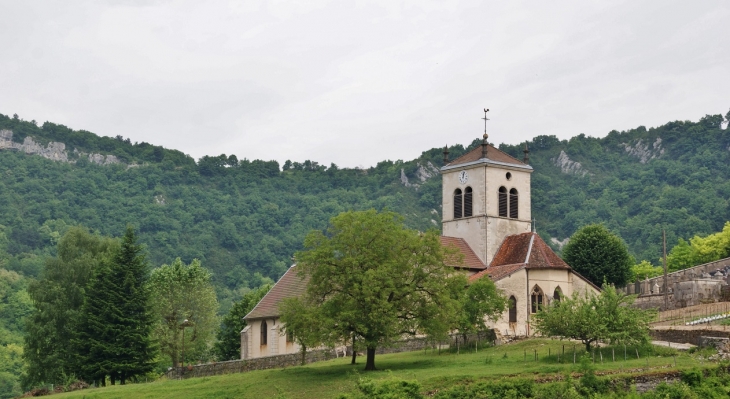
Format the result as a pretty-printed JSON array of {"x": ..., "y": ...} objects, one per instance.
[
  {"x": 115, "y": 337},
  {"x": 57, "y": 299}
]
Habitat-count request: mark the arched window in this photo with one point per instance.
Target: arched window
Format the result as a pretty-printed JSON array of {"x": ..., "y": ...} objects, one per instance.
[
  {"x": 512, "y": 309},
  {"x": 458, "y": 206},
  {"x": 513, "y": 203},
  {"x": 557, "y": 294},
  {"x": 467, "y": 202},
  {"x": 502, "y": 202},
  {"x": 264, "y": 333},
  {"x": 537, "y": 299}
]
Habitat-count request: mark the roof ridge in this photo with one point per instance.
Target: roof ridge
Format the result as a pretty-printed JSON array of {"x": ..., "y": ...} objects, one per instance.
[
  {"x": 529, "y": 248},
  {"x": 489, "y": 147}
]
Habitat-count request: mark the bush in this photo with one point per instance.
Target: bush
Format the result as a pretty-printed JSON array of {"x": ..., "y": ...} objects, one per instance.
[{"x": 393, "y": 388}]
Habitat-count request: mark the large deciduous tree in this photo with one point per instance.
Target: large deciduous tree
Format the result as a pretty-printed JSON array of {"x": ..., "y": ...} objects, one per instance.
[
  {"x": 183, "y": 292},
  {"x": 228, "y": 343},
  {"x": 58, "y": 297},
  {"x": 304, "y": 324},
  {"x": 380, "y": 280},
  {"x": 599, "y": 255},
  {"x": 114, "y": 332},
  {"x": 589, "y": 318}
]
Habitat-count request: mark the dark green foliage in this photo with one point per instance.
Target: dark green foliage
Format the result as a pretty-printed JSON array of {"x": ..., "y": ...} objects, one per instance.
[
  {"x": 228, "y": 344},
  {"x": 599, "y": 255},
  {"x": 58, "y": 297},
  {"x": 115, "y": 325},
  {"x": 391, "y": 388}
]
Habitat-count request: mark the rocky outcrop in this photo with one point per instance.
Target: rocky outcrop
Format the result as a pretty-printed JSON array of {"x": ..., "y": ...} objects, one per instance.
[
  {"x": 54, "y": 151},
  {"x": 644, "y": 152},
  {"x": 558, "y": 243},
  {"x": 423, "y": 173},
  {"x": 569, "y": 166}
]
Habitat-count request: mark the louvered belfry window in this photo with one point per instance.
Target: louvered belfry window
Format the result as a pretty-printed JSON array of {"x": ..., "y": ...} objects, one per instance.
[
  {"x": 503, "y": 202},
  {"x": 468, "y": 202},
  {"x": 458, "y": 205},
  {"x": 513, "y": 204}
]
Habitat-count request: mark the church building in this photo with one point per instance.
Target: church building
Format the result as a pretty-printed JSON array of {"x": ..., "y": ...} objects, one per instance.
[{"x": 487, "y": 218}]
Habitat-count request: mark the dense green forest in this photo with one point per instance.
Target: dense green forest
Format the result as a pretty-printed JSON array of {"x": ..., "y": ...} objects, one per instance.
[{"x": 245, "y": 218}]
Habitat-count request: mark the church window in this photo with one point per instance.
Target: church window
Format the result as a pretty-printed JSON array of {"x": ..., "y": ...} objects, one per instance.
[
  {"x": 513, "y": 203},
  {"x": 537, "y": 299},
  {"x": 508, "y": 176},
  {"x": 512, "y": 309},
  {"x": 468, "y": 206},
  {"x": 264, "y": 333},
  {"x": 502, "y": 202},
  {"x": 458, "y": 205},
  {"x": 557, "y": 295}
]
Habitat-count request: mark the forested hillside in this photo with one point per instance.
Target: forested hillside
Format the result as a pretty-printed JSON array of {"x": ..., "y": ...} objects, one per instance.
[{"x": 244, "y": 219}]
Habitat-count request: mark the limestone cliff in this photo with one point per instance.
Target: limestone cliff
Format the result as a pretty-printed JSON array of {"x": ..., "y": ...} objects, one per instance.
[{"x": 54, "y": 151}]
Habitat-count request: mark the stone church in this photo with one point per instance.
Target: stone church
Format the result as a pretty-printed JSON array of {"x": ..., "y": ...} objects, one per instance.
[{"x": 487, "y": 218}]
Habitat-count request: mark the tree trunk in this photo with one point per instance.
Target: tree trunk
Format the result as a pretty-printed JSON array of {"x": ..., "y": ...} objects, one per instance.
[
  {"x": 370, "y": 363},
  {"x": 354, "y": 352},
  {"x": 588, "y": 346},
  {"x": 123, "y": 378},
  {"x": 113, "y": 377},
  {"x": 304, "y": 355}
]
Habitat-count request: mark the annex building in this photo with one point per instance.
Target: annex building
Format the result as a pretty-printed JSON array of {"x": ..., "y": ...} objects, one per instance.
[{"x": 487, "y": 217}]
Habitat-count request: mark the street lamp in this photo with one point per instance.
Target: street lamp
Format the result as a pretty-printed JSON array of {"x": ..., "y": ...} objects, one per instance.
[{"x": 184, "y": 324}]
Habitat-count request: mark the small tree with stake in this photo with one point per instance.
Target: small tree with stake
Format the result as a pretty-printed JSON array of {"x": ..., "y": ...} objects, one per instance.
[{"x": 589, "y": 318}]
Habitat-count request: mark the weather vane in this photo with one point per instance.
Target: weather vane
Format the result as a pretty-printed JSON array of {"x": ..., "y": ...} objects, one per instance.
[{"x": 485, "y": 121}]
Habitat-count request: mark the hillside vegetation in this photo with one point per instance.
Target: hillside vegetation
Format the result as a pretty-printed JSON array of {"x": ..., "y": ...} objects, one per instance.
[{"x": 244, "y": 219}]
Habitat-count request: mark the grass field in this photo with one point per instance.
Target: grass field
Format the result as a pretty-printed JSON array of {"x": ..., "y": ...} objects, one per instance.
[{"x": 433, "y": 371}]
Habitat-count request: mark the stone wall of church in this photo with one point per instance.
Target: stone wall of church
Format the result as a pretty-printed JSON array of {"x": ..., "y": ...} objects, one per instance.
[
  {"x": 485, "y": 231},
  {"x": 516, "y": 286},
  {"x": 276, "y": 344}
]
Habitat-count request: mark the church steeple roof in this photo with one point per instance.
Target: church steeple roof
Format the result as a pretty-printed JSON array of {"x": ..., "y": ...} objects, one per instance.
[{"x": 494, "y": 155}]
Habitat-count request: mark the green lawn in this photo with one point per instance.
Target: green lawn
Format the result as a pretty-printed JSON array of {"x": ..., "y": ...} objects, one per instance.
[{"x": 433, "y": 371}]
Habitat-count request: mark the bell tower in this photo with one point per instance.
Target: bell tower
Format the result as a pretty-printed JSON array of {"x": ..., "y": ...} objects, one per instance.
[{"x": 486, "y": 197}]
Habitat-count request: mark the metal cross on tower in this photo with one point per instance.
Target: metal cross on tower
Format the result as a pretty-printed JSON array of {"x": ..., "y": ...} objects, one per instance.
[
  {"x": 485, "y": 120},
  {"x": 484, "y": 141}
]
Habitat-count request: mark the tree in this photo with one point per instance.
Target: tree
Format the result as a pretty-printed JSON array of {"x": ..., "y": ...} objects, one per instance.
[
  {"x": 114, "y": 332},
  {"x": 183, "y": 292},
  {"x": 644, "y": 270},
  {"x": 480, "y": 302},
  {"x": 599, "y": 255},
  {"x": 304, "y": 323},
  {"x": 58, "y": 297},
  {"x": 228, "y": 337},
  {"x": 589, "y": 318},
  {"x": 379, "y": 279}
]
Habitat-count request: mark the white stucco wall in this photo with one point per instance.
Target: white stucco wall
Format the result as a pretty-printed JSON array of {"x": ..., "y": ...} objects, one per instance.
[
  {"x": 514, "y": 285},
  {"x": 276, "y": 342}
]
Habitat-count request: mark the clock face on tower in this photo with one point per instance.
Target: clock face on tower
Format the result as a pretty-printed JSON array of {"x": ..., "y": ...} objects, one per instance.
[{"x": 463, "y": 177}]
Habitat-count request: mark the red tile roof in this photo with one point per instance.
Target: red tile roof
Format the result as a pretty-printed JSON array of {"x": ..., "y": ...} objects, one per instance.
[
  {"x": 526, "y": 250},
  {"x": 471, "y": 260},
  {"x": 290, "y": 285},
  {"x": 493, "y": 154}
]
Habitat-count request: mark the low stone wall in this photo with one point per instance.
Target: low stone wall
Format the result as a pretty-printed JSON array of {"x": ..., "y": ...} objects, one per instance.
[
  {"x": 294, "y": 359},
  {"x": 686, "y": 336},
  {"x": 242, "y": 366}
]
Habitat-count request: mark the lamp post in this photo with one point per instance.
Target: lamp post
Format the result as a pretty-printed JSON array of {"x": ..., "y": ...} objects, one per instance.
[{"x": 184, "y": 324}]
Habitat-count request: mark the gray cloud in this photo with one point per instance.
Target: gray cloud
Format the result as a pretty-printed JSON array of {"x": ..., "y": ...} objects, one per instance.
[{"x": 358, "y": 82}]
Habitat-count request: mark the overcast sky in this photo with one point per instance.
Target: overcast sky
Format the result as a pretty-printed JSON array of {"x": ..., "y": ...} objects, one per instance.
[{"x": 357, "y": 82}]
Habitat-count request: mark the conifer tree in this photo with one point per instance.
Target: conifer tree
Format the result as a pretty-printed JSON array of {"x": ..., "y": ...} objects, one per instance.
[{"x": 116, "y": 325}]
